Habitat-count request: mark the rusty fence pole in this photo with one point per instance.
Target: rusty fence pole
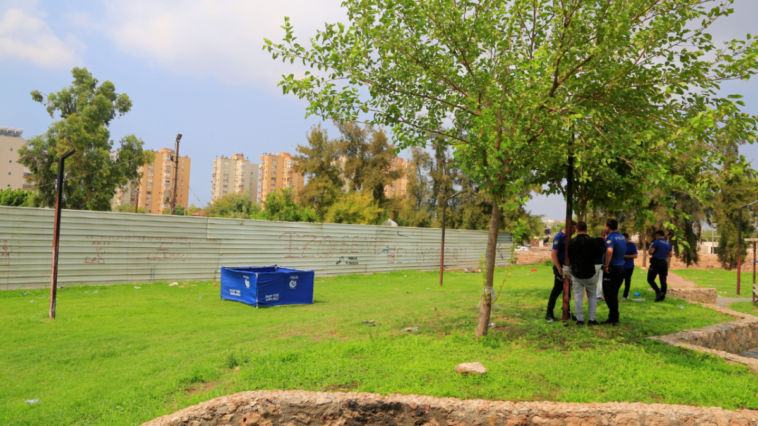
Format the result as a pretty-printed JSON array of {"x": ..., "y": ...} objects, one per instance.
[
  {"x": 565, "y": 316},
  {"x": 57, "y": 233},
  {"x": 176, "y": 174},
  {"x": 755, "y": 243},
  {"x": 136, "y": 202},
  {"x": 739, "y": 245}
]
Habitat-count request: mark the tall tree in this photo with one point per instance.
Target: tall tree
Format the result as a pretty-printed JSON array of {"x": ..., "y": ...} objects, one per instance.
[
  {"x": 86, "y": 109},
  {"x": 319, "y": 161},
  {"x": 514, "y": 79},
  {"x": 368, "y": 154},
  {"x": 737, "y": 186}
]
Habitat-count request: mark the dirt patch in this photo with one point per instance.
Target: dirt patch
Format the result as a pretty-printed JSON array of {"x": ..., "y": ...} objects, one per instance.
[
  {"x": 203, "y": 387},
  {"x": 342, "y": 388}
]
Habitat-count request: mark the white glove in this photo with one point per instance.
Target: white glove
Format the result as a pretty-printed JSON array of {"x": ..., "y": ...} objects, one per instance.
[{"x": 567, "y": 271}]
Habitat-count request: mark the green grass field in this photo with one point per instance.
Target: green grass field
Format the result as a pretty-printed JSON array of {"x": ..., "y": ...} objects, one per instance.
[
  {"x": 121, "y": 355},
  {"x": 725, "y": 282}
]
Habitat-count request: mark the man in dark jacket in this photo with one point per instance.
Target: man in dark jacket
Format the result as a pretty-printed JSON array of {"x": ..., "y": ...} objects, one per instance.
[{"x": 582, "y": 252}]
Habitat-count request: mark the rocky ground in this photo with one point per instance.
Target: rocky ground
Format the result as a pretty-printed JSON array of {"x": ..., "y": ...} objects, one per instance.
[{"x": 319, "y": 408}]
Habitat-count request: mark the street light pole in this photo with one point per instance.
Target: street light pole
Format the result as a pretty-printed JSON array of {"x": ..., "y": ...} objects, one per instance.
[
  {"x": 442, "y": 249},
  {"x": 739, "y": 244},
  {"x": 57, "y": 232},
  {"x": 176, "y": 174}
]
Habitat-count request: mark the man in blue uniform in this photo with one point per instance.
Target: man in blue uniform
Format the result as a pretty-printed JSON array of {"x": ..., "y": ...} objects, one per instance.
[
  {"x": 631, "y": 254},
  {"x": 660, "y": 251},
  {"x": 559, "y": 257},
  {"x": 613, "y": 269}
]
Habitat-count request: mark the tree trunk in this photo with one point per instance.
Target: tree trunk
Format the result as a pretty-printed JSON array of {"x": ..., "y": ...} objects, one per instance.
[{"x": 485, "y": 307}]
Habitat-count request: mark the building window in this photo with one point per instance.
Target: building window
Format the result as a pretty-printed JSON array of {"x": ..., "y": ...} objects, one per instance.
[{"x": 149, "y": 192}]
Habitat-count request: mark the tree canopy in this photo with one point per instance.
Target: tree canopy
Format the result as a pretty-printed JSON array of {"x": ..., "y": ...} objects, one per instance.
[
  {"x": 510, "y": 82},
  {"x": 93, "y": 174}
]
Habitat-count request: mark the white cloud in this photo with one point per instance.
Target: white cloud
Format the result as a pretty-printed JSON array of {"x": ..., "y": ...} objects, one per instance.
[
  {"x": 219, "y": 38},
  {"x": 25, "y": 36}
]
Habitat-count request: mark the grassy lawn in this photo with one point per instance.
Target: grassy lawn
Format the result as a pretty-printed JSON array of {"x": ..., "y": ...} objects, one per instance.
[
  {"x": 122, "y": 355},
  {"x": 744, "y": 307},
  {"x": 725, "y": 282}
]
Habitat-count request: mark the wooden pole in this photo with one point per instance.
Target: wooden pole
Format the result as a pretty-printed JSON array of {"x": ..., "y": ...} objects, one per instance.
[
  {"x": 739, "y": 249},
  {"x": 176, "y": 174},
  {"x": 569, "y": 218},
  {"x": 57, "y": 233}
]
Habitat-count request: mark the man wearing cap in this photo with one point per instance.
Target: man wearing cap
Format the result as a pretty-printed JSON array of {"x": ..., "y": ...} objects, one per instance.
[
  {"x": 613, "y": 269},
  {"x": 660, "y": 251},
  {"x": 559, "y": 258}
]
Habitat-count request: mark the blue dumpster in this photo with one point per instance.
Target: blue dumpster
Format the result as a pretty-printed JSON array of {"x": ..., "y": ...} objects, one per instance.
[{"x": 267, "y": 285}]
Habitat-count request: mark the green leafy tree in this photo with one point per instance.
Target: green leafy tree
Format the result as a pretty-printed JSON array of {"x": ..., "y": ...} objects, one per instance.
[
  {"x": 737, "y": 186},
  {"x": 86, "y": 109},
  {"x": 129, "y": 208},
  {"x": 319, "y": 162},
  {"x": 356, "y": 208},
  {"x": 280, "y": 205},
  {"x": 368, "y": 155},
  {"x": 239, "y": 206},
  {"x": 178, "y": 212},
  {"x": 16, "y": 198},
  {"x": 634, "y": 80}
]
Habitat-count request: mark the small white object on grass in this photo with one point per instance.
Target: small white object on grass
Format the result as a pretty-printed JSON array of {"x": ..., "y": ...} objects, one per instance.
[
  {"x": 470, "y": 368},
  {"x": 199, "y": 298},
  {"x": 681, "y": 307},
  {"x": 137, "y": 287},
  {"x": 32, "y": 401},
  {"x": 94, "y": 292},
  {"x": 32, "y": 301}
]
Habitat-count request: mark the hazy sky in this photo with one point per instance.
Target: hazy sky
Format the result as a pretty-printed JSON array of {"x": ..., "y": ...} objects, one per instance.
[{"x": 196, "y": 67}]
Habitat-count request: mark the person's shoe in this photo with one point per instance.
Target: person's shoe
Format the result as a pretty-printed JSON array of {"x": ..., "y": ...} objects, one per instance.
[
  {"x": 609, "y": 322},
  {"x": 659, "y": 296},
  {"x": 581, "y": 323},
  {"x": 624, "y": 298},
  {"x": 573, "y": 317},
  {"x": 592, "y": 322},
  {"x": 550, "y": 318}
]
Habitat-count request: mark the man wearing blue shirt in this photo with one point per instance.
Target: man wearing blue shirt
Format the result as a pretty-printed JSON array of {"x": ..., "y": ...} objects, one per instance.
[
  {"x": 613, "y": 269},
  {"x": 660, "y": 251},
  {"x": 631, "y": 254},
  {"x": 559, "y": 257}
]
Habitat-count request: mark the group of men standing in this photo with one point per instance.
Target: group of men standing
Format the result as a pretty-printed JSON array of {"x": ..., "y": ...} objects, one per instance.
[{"x": 608, "y": 259}]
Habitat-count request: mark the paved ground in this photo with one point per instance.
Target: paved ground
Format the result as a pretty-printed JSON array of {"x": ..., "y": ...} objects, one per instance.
[
  {"x": 724, "y": 302},
  {"x": 750, "y": 353}
]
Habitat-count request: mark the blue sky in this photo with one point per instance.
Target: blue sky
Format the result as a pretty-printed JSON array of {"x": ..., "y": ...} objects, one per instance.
[{"x": 196, "y": 67}]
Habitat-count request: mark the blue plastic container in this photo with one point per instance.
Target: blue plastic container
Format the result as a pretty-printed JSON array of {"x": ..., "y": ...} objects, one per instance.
[{"x": 267, "y": 285}]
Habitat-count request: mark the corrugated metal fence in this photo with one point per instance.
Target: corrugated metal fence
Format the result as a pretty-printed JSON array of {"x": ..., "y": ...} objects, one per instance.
[{"x": 106, "y": 247}]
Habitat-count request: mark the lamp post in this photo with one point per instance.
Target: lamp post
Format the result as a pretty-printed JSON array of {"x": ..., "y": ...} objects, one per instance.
[
  {"x": 176, "y": 174},
  {"x": 57, "y": 232},
  {"x": 442, "y": 249},
  {"x": 739, "y": 244}
]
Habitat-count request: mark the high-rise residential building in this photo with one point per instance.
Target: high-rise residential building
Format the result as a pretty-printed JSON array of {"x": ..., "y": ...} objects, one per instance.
[
  {"x": 399, "y": 187},
  {"x": 12, "y": 173},
  {"x": 234, "y": 175},
  {"x": 276, "y": 171},
  {"x": 154, "y": 189}
]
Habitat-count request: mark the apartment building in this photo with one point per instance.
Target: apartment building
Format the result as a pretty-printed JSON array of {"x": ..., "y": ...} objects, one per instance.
[
  {"x": 234, "y": 175},
  {"x": 12, "y": 173},
  {"x": 399, "y": 187},
  {"x": 154, "y": 189},
  {"x": 276, "y": 171}
]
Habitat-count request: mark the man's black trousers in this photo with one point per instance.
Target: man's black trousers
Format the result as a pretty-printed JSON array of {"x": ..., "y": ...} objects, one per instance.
[
  {"x": 556, "y": 292},
  {"x": 627, "y": 281},
  {"x": 612, "y": 282},
  {"x": 659, "y": 267}
]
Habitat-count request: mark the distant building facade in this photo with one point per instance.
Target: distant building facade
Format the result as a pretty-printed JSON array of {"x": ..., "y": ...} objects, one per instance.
[
  {"x": 13, "y": 174},
  {"x": 153, "y": 191},
  {"x": 399, "y": 187},
  {"x": 234, "y": 175},
  {"x": 277, "y": 171}
]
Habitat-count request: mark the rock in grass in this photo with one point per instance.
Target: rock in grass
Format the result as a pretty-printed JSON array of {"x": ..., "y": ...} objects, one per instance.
[{"x": 470, "y": 368}]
